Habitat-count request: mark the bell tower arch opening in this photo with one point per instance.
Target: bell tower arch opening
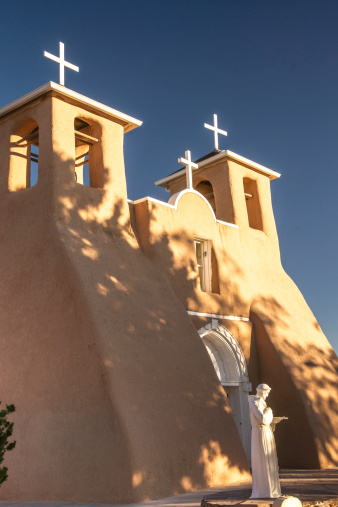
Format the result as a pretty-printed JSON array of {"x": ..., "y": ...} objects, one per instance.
[
  {"x": 88, "y": 170},
  {"x": 253, "y": 205},
  {"x": 205, "y": 188},
  {"x": 229, "y": 363},
  {"x": 24, "y": 156}
]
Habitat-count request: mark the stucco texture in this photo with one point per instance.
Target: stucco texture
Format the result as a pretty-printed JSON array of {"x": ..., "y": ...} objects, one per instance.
[
  {"x": 286, "y": 348},
  {"x": 116, "y": 398}
]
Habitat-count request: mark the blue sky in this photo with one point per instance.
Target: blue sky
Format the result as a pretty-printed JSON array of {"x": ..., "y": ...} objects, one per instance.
[{"x": 269, "y": 69}]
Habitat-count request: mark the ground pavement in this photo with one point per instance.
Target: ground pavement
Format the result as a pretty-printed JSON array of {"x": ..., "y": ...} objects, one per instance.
[{"x": 312, "y": 487}]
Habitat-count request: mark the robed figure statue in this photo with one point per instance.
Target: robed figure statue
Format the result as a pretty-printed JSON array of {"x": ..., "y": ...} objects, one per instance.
[{"x": 265, "y": 478}]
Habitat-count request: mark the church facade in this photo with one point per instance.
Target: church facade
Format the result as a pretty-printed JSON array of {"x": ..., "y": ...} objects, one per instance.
[{"x": 132, "y": 332}]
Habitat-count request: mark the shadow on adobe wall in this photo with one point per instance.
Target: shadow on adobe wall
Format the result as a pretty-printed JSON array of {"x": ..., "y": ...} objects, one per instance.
[
  {"x": 122, "y": 278},
  {"x": 297, "y": 362},
  {"x": 88, "y": 294},
  {"x": 181, "y": 272},
  {"x": 170, "y": 404}
]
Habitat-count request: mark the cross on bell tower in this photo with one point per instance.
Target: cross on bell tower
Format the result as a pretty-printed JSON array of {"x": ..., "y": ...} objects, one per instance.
[
  {"x": 188, "y": 167},
  {"x": 216, "y": 130},
  {"x": 62, "y": 62}
]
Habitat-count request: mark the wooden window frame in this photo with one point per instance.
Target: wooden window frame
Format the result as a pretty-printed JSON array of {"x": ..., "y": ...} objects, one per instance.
[{"x": 205, "y": 266}]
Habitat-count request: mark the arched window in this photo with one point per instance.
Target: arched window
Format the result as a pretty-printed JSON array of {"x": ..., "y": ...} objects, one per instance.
[
  {"x": 205, "y": 188},
  {"x": 87, "y": 171},
  {"x": 24, "y": 158},
  {"x": 252, "y": 204}
]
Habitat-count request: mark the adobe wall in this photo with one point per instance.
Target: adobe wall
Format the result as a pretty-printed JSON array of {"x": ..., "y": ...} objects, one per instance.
[
  {"x": 286, "y": 348},
  {"x": 116, "y": 399}
]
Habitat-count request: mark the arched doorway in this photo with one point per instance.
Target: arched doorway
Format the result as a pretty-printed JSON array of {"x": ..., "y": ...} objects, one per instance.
[{"x": 230, "y": 366}]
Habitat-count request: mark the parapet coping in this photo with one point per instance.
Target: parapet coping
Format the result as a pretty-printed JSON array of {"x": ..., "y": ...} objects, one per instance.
[
  {"x": 216, "y": 316},
  {"x": 225, "y": 154},
  {"x": 173, "y": 203},
  {"x": 130, "y": 123}
]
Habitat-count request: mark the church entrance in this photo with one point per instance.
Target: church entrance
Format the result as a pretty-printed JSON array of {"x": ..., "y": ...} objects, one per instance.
[
  {"x": 232, "y": 393},
  {"x": 230, "y": 366}
]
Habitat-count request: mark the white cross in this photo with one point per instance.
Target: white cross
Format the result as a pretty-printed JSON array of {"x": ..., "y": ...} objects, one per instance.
[
  {"x": 62, "y": 62},
  {"x": 188, "y": 167},
  {"x": 216, "y": 130}
]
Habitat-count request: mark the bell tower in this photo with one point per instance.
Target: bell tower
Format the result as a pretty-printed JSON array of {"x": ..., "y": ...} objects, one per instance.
[
  {"x": 237, "y": 189},
  {"x": 81, "y": 309},
  {"x": 62, "y": 143}
]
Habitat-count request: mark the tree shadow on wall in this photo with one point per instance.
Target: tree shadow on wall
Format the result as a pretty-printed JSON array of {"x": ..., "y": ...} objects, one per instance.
[
  {"x": 298, "y": 363},
  {"x": 157, "y": 374},
  {"x": 174, "y": 255},
  {"x": 128, "y": 397}
]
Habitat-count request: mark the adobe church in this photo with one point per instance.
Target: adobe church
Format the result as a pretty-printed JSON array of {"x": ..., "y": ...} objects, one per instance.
[{"x": 132, "y": 333}]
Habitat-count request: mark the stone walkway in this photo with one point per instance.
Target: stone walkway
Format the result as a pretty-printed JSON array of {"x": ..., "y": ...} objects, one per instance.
[{"x": 312, "y": 487}]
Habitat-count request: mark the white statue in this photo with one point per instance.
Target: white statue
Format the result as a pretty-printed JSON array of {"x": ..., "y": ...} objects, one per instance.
[{"x": 265, "y": 479}]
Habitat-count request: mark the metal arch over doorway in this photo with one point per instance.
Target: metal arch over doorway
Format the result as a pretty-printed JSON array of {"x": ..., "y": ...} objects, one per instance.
[{"x": 230, "y": 366}]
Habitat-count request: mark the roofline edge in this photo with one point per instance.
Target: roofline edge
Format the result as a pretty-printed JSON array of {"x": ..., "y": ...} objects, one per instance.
[
  {"x": 224, "y": 154},
  {"x": 132, "y": 123}
]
